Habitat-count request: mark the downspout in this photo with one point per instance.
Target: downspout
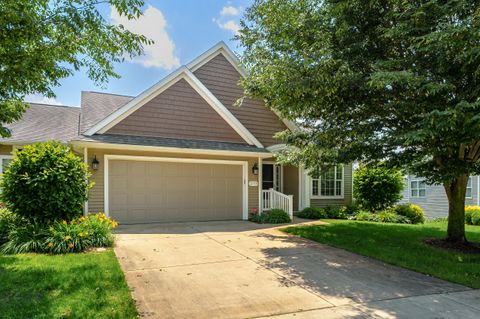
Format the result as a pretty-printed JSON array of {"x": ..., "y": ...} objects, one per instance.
[
  {"x": 85, "y": 160},
  {"x": 260, "y": 187},
  {"x": 478, "y": 190}
]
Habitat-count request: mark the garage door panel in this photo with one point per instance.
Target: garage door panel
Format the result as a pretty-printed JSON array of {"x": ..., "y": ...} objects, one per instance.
[
  {"x": 120, "y": 168},
  {"x": 153, "y": 191}
]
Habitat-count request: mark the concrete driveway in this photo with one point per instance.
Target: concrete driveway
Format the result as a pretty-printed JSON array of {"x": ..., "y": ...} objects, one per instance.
[{"x": 244, "y": 270}]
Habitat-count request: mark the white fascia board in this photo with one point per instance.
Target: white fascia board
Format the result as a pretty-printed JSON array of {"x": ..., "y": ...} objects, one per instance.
[
  {"x": 221, "y": 109},
  {"x": 129, "y": 147}
]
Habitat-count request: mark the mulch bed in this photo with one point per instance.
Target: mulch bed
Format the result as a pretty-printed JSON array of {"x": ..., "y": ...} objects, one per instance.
[{"x": 467, "y": 248}]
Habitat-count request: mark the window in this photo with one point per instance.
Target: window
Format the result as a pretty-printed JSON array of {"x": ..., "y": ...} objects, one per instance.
[
  {"x": 6, "y": 159},
  {"x": 418, "y": 188},
  {"x": 468, "y": 194},
  {"x": 329, "y": 183}
]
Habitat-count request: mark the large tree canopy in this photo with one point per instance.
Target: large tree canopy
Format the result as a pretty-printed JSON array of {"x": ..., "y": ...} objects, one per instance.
[
  {"x": 374, "y": 80},
  {"x": 43, "y": 41}
]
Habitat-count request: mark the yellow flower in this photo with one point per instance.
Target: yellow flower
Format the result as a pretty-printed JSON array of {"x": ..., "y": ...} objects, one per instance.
[
  {"x": 70, "y": 245},
  {"x": 50, "y": 244},
  {"x": 81, "y": 234},
  {"x": 73, "y": 222},
  {"x": 64, "y": 222},
  {"x": 68, "y": 237}
]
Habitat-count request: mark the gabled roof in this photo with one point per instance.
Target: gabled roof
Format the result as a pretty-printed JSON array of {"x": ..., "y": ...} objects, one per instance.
[
  {"x": 146, "y": 96},
  {"x": 222, "y": 48},
  {"x": 43, "y": 122}
]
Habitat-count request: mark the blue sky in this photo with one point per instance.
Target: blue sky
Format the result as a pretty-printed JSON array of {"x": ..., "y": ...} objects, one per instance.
[{"x": 182, "y": 30}]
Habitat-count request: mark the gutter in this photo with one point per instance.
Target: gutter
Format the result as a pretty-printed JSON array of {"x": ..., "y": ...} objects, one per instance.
[{"x": 130, "y": 147}]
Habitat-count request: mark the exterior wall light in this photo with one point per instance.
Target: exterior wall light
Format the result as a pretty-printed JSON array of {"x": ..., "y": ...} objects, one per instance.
[
  {"x": 95, "y": 163},
  {"x": 255, "y": 169}
]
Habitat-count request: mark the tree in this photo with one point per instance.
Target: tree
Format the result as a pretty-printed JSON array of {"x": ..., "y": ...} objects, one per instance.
[
  {"x": 376, "y": 187},
  {"x": 42, "y": 42},
  {"x": 373, "y": 80}
]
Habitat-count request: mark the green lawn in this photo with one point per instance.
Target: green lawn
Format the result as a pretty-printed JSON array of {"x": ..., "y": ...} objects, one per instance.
[
  {"x": 401, "y": 245},
  {"x": 84, "y": 285}
]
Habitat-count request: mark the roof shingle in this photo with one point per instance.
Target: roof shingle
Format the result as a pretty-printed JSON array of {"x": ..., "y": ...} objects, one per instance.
[
  {"x": 43, "y": 122},
  {"x": 96, "y": 106}
]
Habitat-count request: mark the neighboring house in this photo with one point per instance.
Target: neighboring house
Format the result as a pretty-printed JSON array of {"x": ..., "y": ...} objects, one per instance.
[
  {"x": 181, "y": 150},
  {"x": 433, "y": 199}
]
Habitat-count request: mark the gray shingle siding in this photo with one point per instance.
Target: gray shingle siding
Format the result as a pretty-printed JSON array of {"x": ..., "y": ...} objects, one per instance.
[{"x": 435, "y": 203}]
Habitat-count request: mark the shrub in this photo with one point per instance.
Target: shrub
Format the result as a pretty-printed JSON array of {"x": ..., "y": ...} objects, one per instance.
[
  {"x": 81, "y": 233},
  {"x": 350, "y": 209},
  {"x": 334, "y": 212},
  {"x": 472, "y": 215},
  {"x": 364, "y": 216},
  {"x": 28, "y": 237},
  {"x": 273, "y": 216},
  {"x": 62, "y": 236},
  {"x": 45, "y": 182},
  {"x": 376, "y": 187},
  {"x": 386, "y": 216},
  {"x": 413, "y": 212},
  {"x": 312, "y": 213},
  {"x": 8, "y": 221}
]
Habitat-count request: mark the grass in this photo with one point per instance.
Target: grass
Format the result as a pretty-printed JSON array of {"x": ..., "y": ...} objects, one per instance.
[
  {"x": 401, "y": 245},
  {"x": 84, "y": 285}
]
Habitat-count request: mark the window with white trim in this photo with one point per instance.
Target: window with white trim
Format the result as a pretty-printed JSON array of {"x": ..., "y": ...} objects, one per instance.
[
  {"x": 329, "y": 183},
  {"x": 468, "y": 194},
  {"x": 418, "y": 188}
]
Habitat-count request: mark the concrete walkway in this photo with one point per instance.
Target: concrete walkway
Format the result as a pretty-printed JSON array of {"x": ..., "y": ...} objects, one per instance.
[{"x": 244, "y": 270}]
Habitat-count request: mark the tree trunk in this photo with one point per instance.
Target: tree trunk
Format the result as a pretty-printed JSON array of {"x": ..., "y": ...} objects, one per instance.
[{"x": 456, "y": 190}]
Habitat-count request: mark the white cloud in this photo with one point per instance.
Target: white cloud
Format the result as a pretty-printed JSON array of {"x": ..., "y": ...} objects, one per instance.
[
  {"x": 230, "y": 25},
  {"x": 38, "y": 98},
  {"x": 151, "y": 24},
  {"x": 228, "y": 19},
  {"x": 232, "y": 11}
]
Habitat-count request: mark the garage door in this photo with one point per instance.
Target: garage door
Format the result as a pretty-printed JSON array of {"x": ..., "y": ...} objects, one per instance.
[{"x": 144, "y": 191}]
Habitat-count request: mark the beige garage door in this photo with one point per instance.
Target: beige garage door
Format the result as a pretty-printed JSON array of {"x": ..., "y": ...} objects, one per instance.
[{"x": 141, "y": 192}]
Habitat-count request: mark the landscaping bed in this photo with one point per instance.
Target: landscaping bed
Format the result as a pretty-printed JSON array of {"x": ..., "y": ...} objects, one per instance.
[
  {"x": 402, "y": 245},
  {"x": 82, "y": 285}
]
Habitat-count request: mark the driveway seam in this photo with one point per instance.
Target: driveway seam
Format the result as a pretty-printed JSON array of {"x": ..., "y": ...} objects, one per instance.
[
  {"x": 447, "y": 295},
  {"x": 271, "y": 270},
  {"x": 186, "y": 265}
]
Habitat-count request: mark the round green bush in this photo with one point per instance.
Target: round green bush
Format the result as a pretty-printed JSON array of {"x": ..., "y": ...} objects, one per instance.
[
  {"x": 312, "y": 213},
  {"x": 45, "y": 182},
  {"x": 413, "y": 212},
  {"x": 376, "y": 187},
  {"x": 335, "y": 212},
  {"x": 273, "y": 216},
  {"x": 470, "y": 211},
  {"x": 476, "y": 218}
]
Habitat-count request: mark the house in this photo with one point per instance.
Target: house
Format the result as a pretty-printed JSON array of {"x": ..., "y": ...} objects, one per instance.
[
  {"x": 433, "y": 199},
  {"x": 181, "y": 150}
]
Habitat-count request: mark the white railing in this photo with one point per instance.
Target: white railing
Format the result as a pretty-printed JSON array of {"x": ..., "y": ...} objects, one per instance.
[{"x": 272, "y": 199}]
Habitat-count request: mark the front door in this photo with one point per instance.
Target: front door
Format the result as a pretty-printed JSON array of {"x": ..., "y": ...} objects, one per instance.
[{"x": 272, "y": 176}]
